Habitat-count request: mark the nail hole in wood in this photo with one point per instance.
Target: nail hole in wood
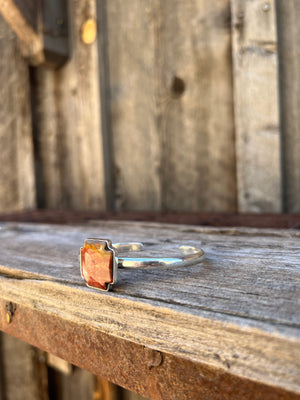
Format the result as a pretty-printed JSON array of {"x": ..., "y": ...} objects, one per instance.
[{"x": 177, "y": 86}]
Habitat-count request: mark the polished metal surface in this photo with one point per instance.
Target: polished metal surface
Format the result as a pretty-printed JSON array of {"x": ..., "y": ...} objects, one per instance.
[
  {"x": 189, "y": 255},
  {"x": 120, "y": 247}
]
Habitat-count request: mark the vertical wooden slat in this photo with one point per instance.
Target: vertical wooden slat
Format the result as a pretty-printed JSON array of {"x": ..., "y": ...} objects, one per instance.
[
  {"x": 256, "y": 105},
  {"x": 195, "y": 105},
  {"x": 288, "y": 14},
  {"x": 68, "y": 129},
  {"x": 171, "y": 104},
  {"x": 17, "y": 192},
  {"x": 22, "y": 17},
  {"x": 131, "y": 51},
  {"x": 47, "y": 146},
  {"x": 2, "y": 376},
  {"x": 80, "y": 385},
  {"x": 25, "y": 376},
  {"x": 17, "y": 184},
  {"x": 107, "y": 391},
  {"x": 127, "y": 395},
  {"x": 104, "y": 91}
]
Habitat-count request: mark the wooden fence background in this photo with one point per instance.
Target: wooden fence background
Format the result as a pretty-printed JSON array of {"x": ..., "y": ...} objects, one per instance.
[
  {"x": 177, "y": 105},
  {"x": 174, "y": 106}
]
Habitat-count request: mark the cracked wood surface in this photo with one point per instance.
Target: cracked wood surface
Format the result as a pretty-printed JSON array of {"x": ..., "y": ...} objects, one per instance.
[{"x": 228, "y": 326}]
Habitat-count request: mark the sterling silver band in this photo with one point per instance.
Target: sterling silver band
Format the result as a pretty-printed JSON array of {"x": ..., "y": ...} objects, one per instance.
[
  {"x": 189, "y": 255},
  {"x": 100, "y": 261}
]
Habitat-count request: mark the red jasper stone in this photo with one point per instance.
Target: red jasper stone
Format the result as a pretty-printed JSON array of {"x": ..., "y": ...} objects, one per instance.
[{"x": 96, "y": 262}]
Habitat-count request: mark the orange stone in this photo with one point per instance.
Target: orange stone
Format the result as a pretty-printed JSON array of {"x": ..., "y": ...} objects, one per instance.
[{"x": 97, "y": 264}]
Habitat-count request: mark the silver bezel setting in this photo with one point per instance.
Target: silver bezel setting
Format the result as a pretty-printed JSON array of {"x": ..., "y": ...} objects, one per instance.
[{"x": 109, "y": 246}]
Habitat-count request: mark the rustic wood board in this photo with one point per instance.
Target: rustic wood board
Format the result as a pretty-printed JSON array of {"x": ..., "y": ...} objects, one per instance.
[
  {"x": 278, "y": 221},
  {"x": 24, "y": 374},
  {"x": 23, "y": 18},
  {"x": 42, "y": 29},
  {"x": 254, "y": 45},
  {"x": 194, "y": 110},
  {"x": 17, "y": 190},
  {"x": 233, "y": 319},
  {"x": 171, "y": 105},
  {"x": 132, "y": 85},
  {"x": 69, "y": 148},
  {"x": 78, "y": 385},
  {"x": 288, "y": 13}
]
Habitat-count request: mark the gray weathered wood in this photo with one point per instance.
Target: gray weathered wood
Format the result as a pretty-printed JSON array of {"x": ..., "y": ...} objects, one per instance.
[
  {"x": 171, "y": 104},
  {"x": 68, "y": 125},
  {"x": 132, "y": 396},
  {"x": 17, "y": 183},
  {"x": 256, "y": 105},
  {"x": 237, "y": 311},
  {"x": 78, "y": 385},
  {"x": 194, "y": 105},
  {"x": 288, "y": 14},
  {"x": 2, "y": 377},
  {"x": 104, "y": 90},
  {"x": 136, "y": 145},
  {"x": 41, "y": 27},
  {"x": 23, "y": 18},
  {"x": 24, "y": 375}
]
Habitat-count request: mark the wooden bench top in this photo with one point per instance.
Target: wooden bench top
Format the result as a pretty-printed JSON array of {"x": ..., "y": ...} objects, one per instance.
[{"x": 227, "y": 327}]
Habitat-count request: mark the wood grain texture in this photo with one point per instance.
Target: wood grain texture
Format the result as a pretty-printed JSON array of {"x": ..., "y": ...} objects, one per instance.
[
  {"x": 2, "y": 376},
  {"x": 195, "y": 105},
  {"x": 78, "y": 385},
  {"x": 23, "y": 18},
  {"x": 24, "y": 375},
  {"x": 17, "y": 183},
  {"x": 136, "y": 145},
  {"x": 248, "y": 329},
  {"x": 288, "y": 13},
  {"x": 256, "y": 105},
  {"x": 68, "y": 127},
  {"x": 170, "y": 144},
  {"x": 107, "y": 391},
  {"x": 127, "y": 395},
  {"x": 278, "y": 221}
]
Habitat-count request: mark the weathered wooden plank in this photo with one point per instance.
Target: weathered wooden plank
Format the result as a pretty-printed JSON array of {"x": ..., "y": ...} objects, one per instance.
[
  {"x": 256, "y": 105},
  {"x": 108, "y": 391},
  {"x": 104, "y": 90},
  {"x": 24, "y": 375},
  {"x": 47, "y": 144},
  {"x": 279, "y": 221},
  {"x": 23, "y": 18},
  {"x": 59, "y": 364},
  {"x": 175, "y": 377},
  {"x": 194, "y": 111},
  {"x": 41, "y": 27},
  {"x": 127, "y": 395},
  {"x": 172, "y": 149},
  {"x": 67, "y": 382},
  {"x": 68, "y": 127},
  {"x": 136, "y": 145},
  {"x": 2, "y": 377},
  {"x": 30, "y": 9},
  {"x": 78, "y": 385},
  {"x": 239, "y": 339},
  {"x": 17, "y": 183},
  {"x": 288, "y": 13}
]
